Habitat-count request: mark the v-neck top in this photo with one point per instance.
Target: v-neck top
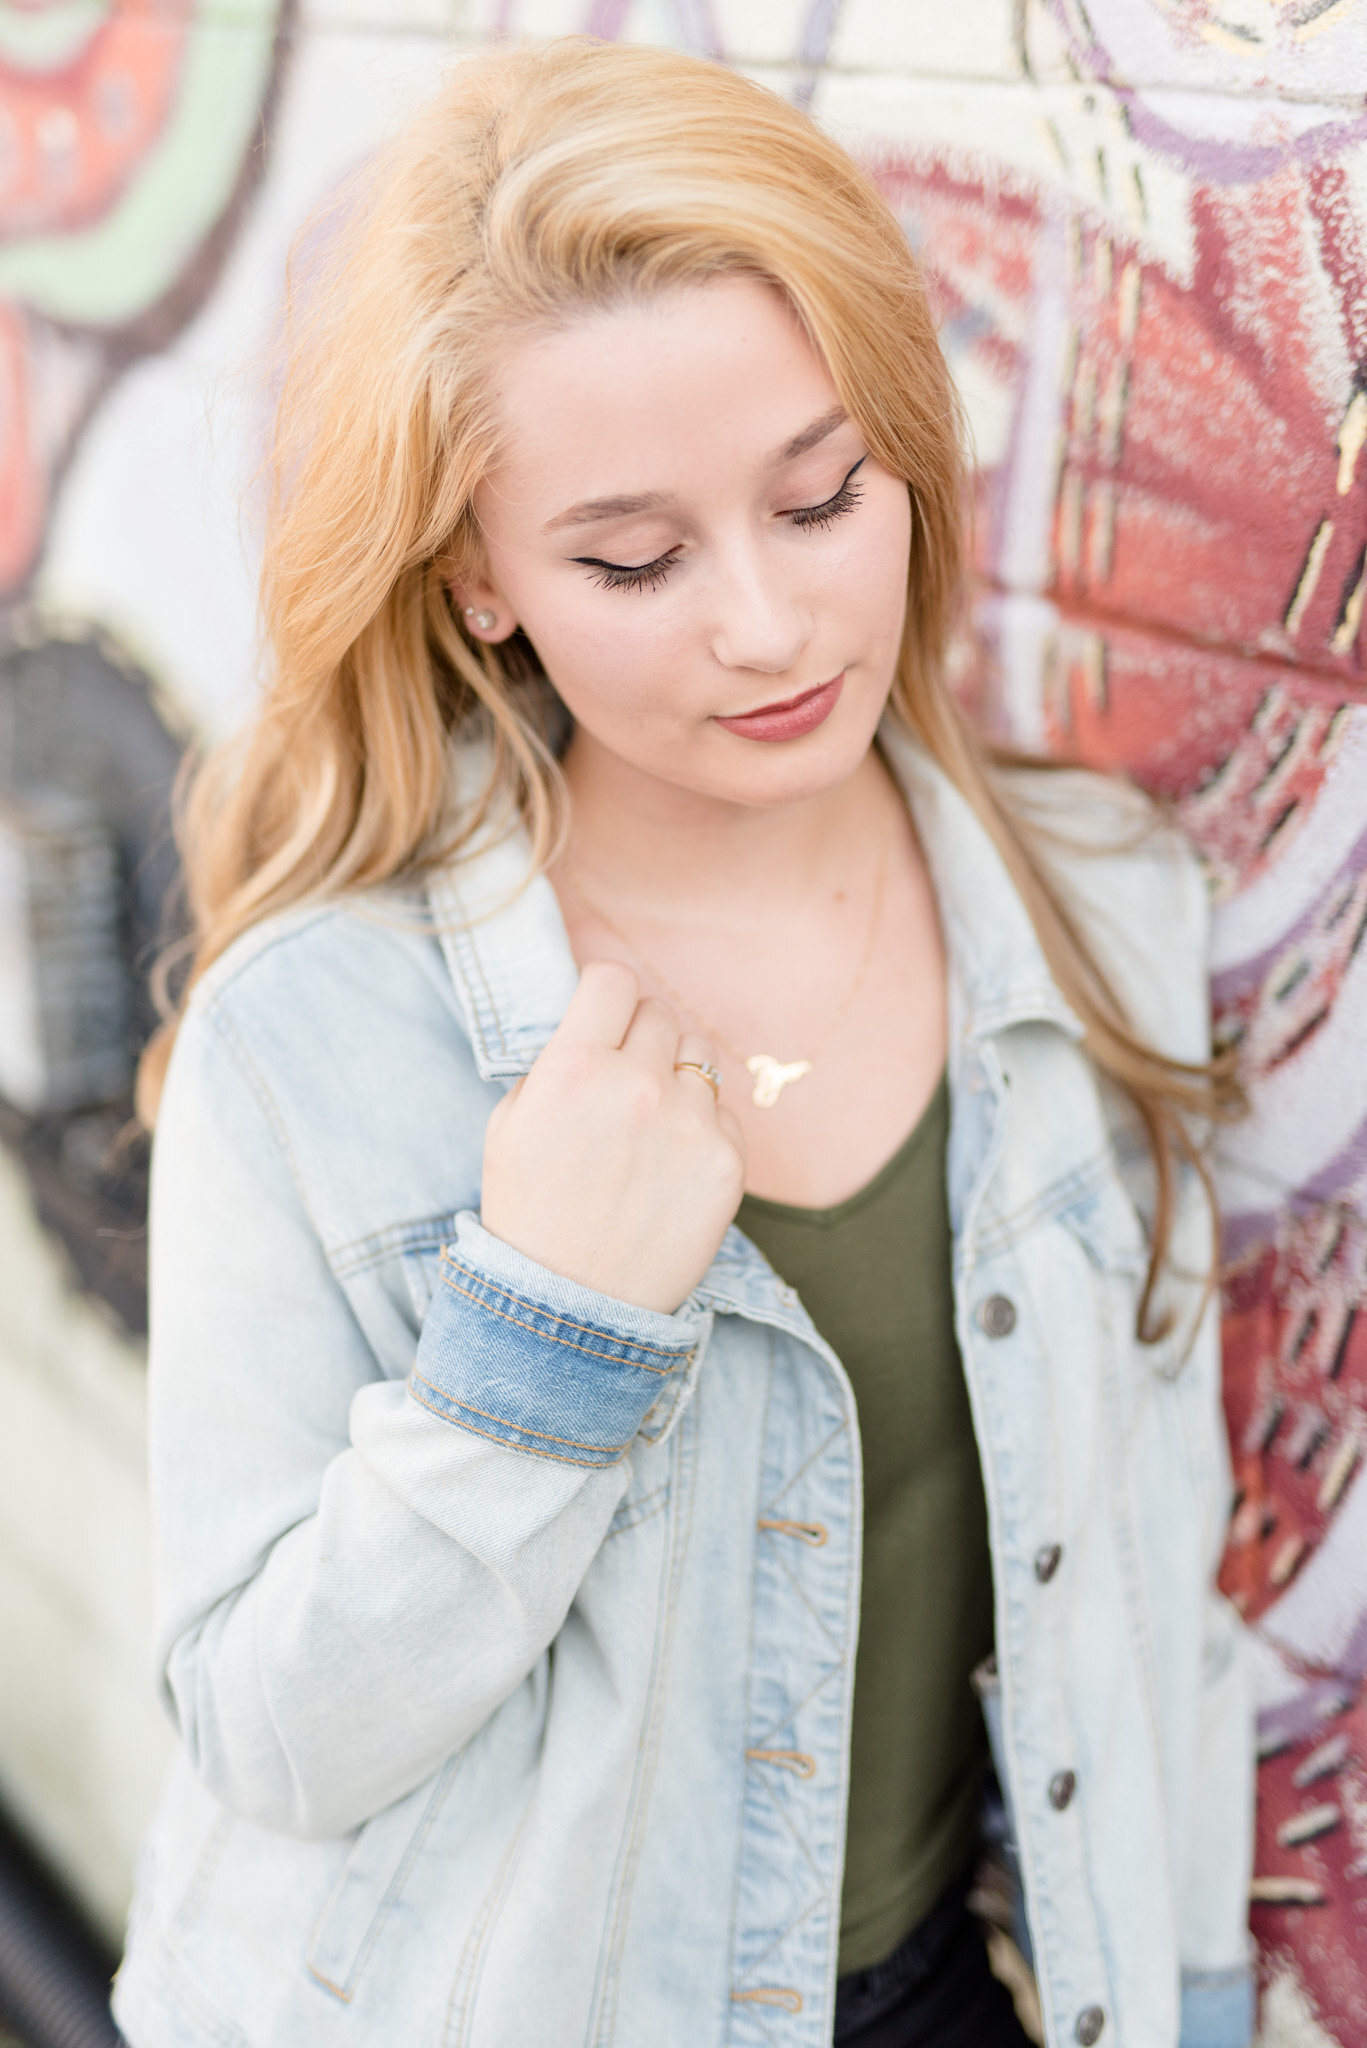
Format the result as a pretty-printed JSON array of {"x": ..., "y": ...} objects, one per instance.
[{"x": 874, "y": 1274}]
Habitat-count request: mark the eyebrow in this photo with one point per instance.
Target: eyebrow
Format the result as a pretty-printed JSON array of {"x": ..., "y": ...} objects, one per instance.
[
  {"x": 591, "y": 509},
  {"x": 811, "y": 436},
  {"x": 606, "y": 508}
]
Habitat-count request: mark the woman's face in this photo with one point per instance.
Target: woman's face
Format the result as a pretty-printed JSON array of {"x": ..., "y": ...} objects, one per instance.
[{"x": 711, "y": 566}]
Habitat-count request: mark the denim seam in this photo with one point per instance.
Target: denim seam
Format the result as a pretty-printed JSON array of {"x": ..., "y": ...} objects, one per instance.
[
  {"x": 679, "y": 1501},
  {"x": 470, "y": 1968},
  {"x": 606, "y": 1453},
  {"x": 467, "y": 951},
  {"x": 838, "y": 1671},
  {"x": 186, "y": 1914},
  {"x": 629, "y": 1344},
  {"x": 234, "y": 1045},
  {"x": 175, "y": 1984},
  {"x": 423, "y": 1234},
  {"x": 774, "y": 1786},
  {"x": 258, "y": 1622},
  {"x": 567, "y": 1343},
  {"x": 776, "y": 1500},
  {"x": 390, "y": 1894},
  {"x": 1050, "y": 1205},
  {"x": 783, "y": 1933},
  {"x": 632, "y": 1513},
  {"x": 738, "y": 1861},
  {"x": 1114, "y": 1346},
  {"x": 655, "y": 1424},
  {"x": 216, "y": 984},
  {"x": 789, "y": 1717},
  {"x": 784, "y": 1563},
  {"x": 450, "y": 1258}
]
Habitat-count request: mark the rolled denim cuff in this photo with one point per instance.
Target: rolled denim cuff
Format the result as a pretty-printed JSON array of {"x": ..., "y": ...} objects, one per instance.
[
  {"x": 1217, "y": 2008},
  {"x": 514, "y": 1352}
]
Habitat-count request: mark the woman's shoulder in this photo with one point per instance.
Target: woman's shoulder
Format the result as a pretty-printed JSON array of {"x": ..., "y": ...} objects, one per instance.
[
  {"x": 328, "y": 1003},
  {"x": 1133, "y": 882},
  {"x": 1104, "y": 827},
  {"x": 362, "y": 946},
  {"x": 1090, "y": 809}
]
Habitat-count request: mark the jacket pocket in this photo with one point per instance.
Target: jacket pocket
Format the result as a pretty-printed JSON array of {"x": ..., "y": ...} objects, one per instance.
[
  {"x": 1106, "y": 1224},
  {"x": 369, "y": 1883}
]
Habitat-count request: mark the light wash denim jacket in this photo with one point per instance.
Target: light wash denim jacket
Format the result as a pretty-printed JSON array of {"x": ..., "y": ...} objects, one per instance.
[{"x": 509, "y": 1629}]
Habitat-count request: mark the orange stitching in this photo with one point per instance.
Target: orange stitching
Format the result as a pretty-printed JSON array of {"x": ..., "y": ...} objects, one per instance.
[
  {"x": 815, "y": 1533},
  {"x": 328, "y": 1985},
  {"x": 795, "y": 1760},
  {"x": 594, "y": 1464},
  {"x": 770, "y": 1994},
  {"x": 548, "y": 1337},
  {"x": 448, "y": 1258}
]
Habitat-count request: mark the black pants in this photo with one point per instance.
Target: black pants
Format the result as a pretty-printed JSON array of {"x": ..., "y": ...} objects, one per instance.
[{"x": 935, "y": 1991}]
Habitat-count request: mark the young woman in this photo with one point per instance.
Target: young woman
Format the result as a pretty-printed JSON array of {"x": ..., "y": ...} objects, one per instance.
[{"x": 678, "y": 1230}]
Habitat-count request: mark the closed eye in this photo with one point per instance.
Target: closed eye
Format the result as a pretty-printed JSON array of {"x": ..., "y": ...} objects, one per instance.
[
  {"x": 622, "y": 576},
  {"x": 650, "y": 575},
  {"x": 830, "y": 509}
]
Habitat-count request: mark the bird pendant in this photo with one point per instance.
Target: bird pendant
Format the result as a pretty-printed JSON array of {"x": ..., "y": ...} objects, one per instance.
[{"x": 772, "y": 1077}]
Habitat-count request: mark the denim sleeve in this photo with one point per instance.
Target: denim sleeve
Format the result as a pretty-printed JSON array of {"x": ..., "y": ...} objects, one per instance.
[
  {"x": 520, "y": 1356},
  {"x": 354, "y": 1571}
]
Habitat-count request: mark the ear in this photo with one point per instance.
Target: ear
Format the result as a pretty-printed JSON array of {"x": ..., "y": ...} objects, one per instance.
[{"x": 484, "y": 614}]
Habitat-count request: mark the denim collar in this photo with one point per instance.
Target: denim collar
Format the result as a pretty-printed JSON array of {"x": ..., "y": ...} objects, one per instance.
[{"x": 504, "y": 940}]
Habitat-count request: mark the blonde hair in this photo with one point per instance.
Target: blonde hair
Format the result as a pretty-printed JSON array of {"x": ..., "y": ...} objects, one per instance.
[{"x": 541, "y": 182}]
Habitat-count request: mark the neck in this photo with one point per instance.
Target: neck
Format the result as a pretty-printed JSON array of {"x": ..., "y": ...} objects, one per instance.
[{"x": 656, "y": 847}]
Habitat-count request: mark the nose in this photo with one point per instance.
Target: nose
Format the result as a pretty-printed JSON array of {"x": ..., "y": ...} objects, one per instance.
[{"x": 760, "y": 621}]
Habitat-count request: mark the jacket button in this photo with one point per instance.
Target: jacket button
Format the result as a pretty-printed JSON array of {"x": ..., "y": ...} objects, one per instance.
[
  {"x": 1047, "y": 1562},
  {"x": 1062, "y": 1786},
  {"x": 1090, "y": 2022},
  {"x": 997, "y": 1315}
]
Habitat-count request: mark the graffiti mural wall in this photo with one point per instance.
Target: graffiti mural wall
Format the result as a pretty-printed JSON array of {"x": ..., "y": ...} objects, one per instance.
[{"x": 1146, "y": 226}]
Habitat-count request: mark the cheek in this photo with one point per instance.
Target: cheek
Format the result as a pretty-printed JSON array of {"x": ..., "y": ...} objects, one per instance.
[
  {"x": 878, "y": 560},
  {"x": 857, "y": 580},
  {"x": 606, "y": 652}
]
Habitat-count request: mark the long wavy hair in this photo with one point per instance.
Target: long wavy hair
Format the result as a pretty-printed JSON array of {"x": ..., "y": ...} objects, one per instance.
[{"x": 539, "y": 183}]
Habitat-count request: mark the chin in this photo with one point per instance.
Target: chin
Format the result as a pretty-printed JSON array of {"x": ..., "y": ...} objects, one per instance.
[{"x": 791, "y": 771}]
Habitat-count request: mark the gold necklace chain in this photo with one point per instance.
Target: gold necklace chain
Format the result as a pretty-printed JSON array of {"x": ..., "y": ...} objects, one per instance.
[{"x": 771, "y": 1075}]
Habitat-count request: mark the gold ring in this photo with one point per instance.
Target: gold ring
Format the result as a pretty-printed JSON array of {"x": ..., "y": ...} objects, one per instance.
[{"x": 709, "y": 1073}]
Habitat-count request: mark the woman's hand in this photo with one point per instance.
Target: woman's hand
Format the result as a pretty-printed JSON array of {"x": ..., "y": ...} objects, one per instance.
[{"x": 606, "y": 1165}]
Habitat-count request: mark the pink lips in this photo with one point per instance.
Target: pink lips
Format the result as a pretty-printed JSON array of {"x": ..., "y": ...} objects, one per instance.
[{"x": 789, "y": 720}]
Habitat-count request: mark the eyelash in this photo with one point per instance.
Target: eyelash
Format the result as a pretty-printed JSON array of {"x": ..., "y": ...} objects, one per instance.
[{"x": 650, "y": 575}]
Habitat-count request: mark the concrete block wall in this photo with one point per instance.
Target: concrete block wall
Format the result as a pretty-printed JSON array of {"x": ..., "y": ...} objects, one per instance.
[{"x": 1146, "y": 225}]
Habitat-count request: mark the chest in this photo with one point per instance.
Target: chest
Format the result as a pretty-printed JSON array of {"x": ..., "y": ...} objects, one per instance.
[
  {"x": 875, "y": 1275},
  {"x": 848, "y": 1021}
]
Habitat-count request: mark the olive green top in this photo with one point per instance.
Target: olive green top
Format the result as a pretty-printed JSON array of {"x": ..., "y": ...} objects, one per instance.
[{"x": 874, "y": 1274}]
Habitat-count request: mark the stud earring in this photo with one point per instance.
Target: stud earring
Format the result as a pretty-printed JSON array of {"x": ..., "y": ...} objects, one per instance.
[{"x": 484, "y": 621}]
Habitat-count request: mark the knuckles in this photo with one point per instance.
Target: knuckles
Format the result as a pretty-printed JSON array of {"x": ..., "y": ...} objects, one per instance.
[{"x": 610, "y": 975}]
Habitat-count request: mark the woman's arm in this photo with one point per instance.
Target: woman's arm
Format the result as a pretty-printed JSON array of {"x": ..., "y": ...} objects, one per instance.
[{"x": 354, "y": 1572}]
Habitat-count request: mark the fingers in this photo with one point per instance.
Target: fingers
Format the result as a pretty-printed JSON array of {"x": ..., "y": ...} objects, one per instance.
[
  {"x": 730, "y": 1127},
  {"x": 498, "y": 1114},
  {"x": 606, "y": 1011},
  {"x": 653, "y": 1036},
  {"x": 695, "y": 1048},
  {"x": 602, "y": 1007},
  {"x": 696, "y": 1065}
]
